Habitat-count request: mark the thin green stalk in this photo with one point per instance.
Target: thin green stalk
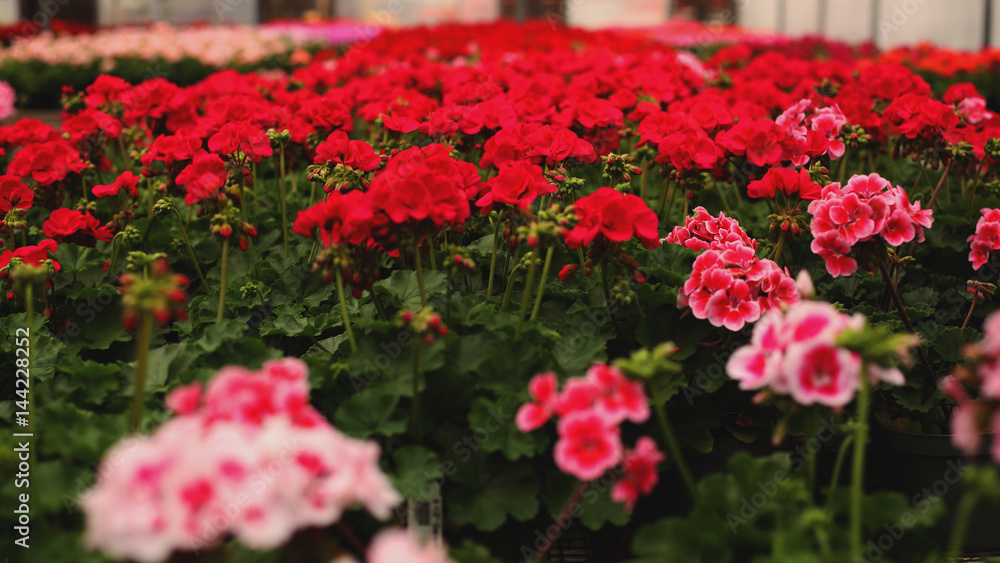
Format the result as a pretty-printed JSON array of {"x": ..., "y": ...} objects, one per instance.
[
  {"x": 971, "y": 309},
  {"x": 812, "y": 430},
  {"x": 541, "y": 283},
  {"x": 246, "y": 219},
  {"x": 430, "y": 253},
  {"x": 526, "y": 295},
  {"x": 417, "y": 430},
  {"x": 843, "y": 170},
  {"x": 604, "y": 282},
  {"x": 493, "y": 261},
  {"x": 508, "y": 291},
  {"x": 149, "y": 197},
  {"x": 975, "y": 184},
  {"x": 668, "y": 196},
  {"x": 187, "y": 243},
  {"x": 673, "y": 445},
  {"x": 343, "y": 311},
  {"x": 121, "y": 147},
  {"x": 143, "y": 339},
  {"x": 420, "y": 273},
  {"x": 962, "y": 516},
  {"x": 858, "y": 472},
  {"x": 281, "y": 186},
  {"x": 776, "y": 253},
  {"x": 944, "y": 176},
  {"x": 839, "y": 463},
  {"x": 891, "y": 288},
  {"x": 222, "y": 281}
]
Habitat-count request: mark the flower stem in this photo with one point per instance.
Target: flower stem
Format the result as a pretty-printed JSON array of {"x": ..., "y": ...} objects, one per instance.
[
  {"x": 962, "y": 516},
  {"x": 343, "y": 311},
  {"x": 971, "y": 309},
  {"x": 673, "y": 445},
  {"x": 420, "y": 273},
  {"x": 222, "y": 282},
  {"x": 187, "y": 243},
  {"x": 526, "y": 296},
  {"x": 812, "y": 430},
  {"x": 541, "y": 282},
  {"x": 246, "y": 219},
  {"x": 944, "y": 176},
  {"x": 508, "y": 291},
  {"x": 125, "y": 156},
  {"x": 149, "y": 197},
  {"x": 668, "y": 196},
  {"x": 568, "y": 509},
  {"x": 975, "y": 184},
  {"x": 415, "y": 362},
  {"x": 281, "y": 187},
  {"x": 839, "y": 463},
  {"x": 430, "y": 253},
  {"x": 493, "y": 261},
  {"x": 142, "y": 342},
  {"x": 891, "y": 288},
  {"x": 858, "y": 473}
]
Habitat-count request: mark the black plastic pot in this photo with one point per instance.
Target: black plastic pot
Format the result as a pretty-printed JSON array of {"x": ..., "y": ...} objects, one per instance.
[{"x": 927, "y": 466}]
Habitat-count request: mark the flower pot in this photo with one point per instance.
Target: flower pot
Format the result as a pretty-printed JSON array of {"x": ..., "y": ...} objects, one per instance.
[{"x": 925, "y": 466}]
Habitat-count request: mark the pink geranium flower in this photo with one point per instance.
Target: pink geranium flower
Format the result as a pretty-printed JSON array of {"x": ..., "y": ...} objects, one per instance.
[
  {"x": 588, "y": 445},
  {"x": 641, "y": 473}
]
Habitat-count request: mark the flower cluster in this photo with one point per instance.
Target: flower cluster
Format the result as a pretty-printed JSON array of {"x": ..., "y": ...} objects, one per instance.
[
  {"x": 245, "y": 456},
  {"x": 977, "y": 412},
  {"x": 730, "y": 286},
  {"x": 590, "y": 410},
  {"x": 159, "y": 294},
  {"x": 797, "y": 353},
  {"x": 986, "y": 240},
  {"x": 867, "y": 208}
]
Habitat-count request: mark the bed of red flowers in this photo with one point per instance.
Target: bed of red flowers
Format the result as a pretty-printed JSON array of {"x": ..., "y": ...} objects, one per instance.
[{"x": 504, "y": 286}]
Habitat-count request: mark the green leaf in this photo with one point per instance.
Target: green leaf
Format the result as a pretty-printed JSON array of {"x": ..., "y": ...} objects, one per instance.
[
  {"x": 495, "y": 419},
  {"x": 471, "y": 552},
  {"x": 490, "y": 492},
  {"x": 404, "y": 290},
  {"x": 415, "y": 467},
  {"x": 370, "y": 411},
  {"x": 950, "y": 340}
]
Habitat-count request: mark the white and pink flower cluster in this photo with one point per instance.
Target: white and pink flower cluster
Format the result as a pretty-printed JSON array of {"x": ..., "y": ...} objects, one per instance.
[
  {"x": 247, "y": 456},
  {"x": 868, "y": 207},
  {"x": 7, "y": 100},
  {"x": 398, "y": 546},
  {"x": 972, "y": 417},
  {"x": 591, "y": 410},
  {"x": 796, "y": 353},
  {"x": 986, "y": 241},
  {"x": 816, "y": 129},
  {"x": 730, "y": 286}
]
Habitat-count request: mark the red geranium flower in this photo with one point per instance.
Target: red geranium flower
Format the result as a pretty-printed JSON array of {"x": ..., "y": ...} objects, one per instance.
[
  {"x": 615, "y": 215},
  {"x": 788, "y": 182},
  {"x": 356, "y": 154},
  {"x": 203, "y": 177},
  {"x": 13, "y": 193},
  {"x": 126, "y": 181},
  {"x": 343, "y": 218},
  {"x": 77, "y": 227},
  {"x": 32, "y": 255},
  {"x": 760, "y": 140},
  {"x": 46, "y": 163},
  {"x": 241, "y": 136},
  {"x": 518, "y": 184}
]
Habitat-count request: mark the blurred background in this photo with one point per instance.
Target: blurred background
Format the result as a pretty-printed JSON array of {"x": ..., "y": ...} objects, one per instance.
[{"x": 960, "y": 24}]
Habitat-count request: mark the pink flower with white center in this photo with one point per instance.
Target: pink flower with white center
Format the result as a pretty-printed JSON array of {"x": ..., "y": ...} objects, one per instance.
[
  {"x": 703, "y": 231},
  {"x": 398, "y": 546},
  {"x": 973, "y": 110},
  {"x": 620, "y": 398},
  {"x": 543, "y": 388},
  {"x": 752, "y": 367},
  {"x": 822, "y": 373},
  {"x": 588, "y": 445},
  {"x": 793, "y": 119},
  {"x": 641, "y": 473},
  {"x": 830, "y": 121},
  {"x": 198, "y": 477},
  {"x": 578, "y": 395},
  {"x": 898, "y": 228}
]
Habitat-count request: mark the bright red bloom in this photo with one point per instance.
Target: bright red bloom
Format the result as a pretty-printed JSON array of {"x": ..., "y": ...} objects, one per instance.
[
  {"x": 343, "y": 218},
  {"x": 518, "y": 184},
  {"x": 203, "y": 177},
  {"x": 14, "y": 194},
  {"x": 615, "y": 215},
  {"x": 641, "y": 474},
  {"x": 788, "y": 182},
  {"x": 760, "y": 140},
  {"x": 555, "y": 144},
  {"x": 77, "y": 227},
  {"x": 169, "y": 149},
  {"x": 687, "y": 149},
  {"x": 355, "y": 154},
  {"x": 46, "y": 163},
  {"x": 241, "y": 136},
  {"x": 32, "y": 255},
  {"x": 126, "y": 181}
]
